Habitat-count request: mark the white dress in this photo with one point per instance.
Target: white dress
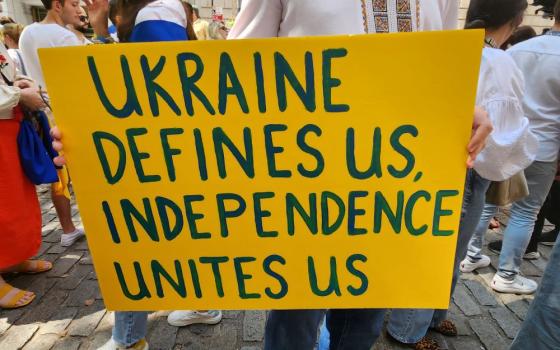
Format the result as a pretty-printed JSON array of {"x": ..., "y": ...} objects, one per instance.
[
  {"x": 292, "y": 18},
  {"x": 511, "y": 147}
]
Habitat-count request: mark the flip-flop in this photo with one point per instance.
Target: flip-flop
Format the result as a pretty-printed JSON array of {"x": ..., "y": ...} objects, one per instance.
[
  {"x": 33, "y": 267},
  {"x": 15, "y": 296}
]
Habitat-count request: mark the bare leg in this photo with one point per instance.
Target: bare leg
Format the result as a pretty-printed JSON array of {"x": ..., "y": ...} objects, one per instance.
[{"x": 64, "y": 212}]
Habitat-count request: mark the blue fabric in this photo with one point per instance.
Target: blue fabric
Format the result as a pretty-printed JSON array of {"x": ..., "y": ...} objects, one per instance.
[
  {"x": 35, "y": 152},
  {"x": 158, "y": 30},
  {"x": 352, "y": 329},
  {"x": 541, "y": 329},
  {"x": 112, "y": 29},
  {"x": 130, "y": 327}
]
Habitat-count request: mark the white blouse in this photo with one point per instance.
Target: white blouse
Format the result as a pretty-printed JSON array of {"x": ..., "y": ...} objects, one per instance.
[
  {"x": 9, "y": 96},
  {"x": 511, "y": 147},
  {"x": 292, "y": 18}
]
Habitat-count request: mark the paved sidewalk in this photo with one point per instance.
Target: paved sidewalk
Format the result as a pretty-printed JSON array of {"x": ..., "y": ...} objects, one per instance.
[{"x": 69, "y": 313}]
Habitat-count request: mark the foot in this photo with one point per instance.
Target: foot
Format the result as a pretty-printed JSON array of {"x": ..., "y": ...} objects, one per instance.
[
  {"x": 13, "y": 298},
  {"x": 519, "y": 285},
  {"x": 113, "y": 345},
  {"x": 67, "y": 239},
  {"x": 468, "y": 266},
  {"x": 446, "y": 328},
  {"x": 30, "y": 267},
  {"x": 549, "y": 238},
  {"x": 183, "y": 318},
  {"x": 427, "y": 344},
  {"x": 496, "y": 247}
]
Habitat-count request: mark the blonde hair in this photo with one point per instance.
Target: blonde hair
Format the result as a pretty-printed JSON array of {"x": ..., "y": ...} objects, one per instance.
[{"x": 13, "y": 31}]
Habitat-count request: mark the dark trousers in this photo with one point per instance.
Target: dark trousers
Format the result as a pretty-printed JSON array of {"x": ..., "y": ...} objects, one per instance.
[{"x": 350, "y": 329}]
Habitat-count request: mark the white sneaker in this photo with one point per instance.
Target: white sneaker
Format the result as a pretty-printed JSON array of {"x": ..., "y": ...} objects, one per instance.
[
  {"x": 113, "y": 345},
  {"x": 468, "y": 266},
  {"x": 183, "y": 318},
  {"x": 67, "y": 239},
  {"x": 519, "y": 285}
]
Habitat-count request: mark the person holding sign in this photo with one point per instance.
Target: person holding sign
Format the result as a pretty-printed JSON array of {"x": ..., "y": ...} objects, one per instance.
[
  {"x": 260, "y": 19},
  {"x": 20, "y": 215}
]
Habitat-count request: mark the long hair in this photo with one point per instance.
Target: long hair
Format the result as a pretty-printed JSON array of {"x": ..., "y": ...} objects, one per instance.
[
  {"x": 492, "y": 14},
  {"x": 190, "y": 30}
]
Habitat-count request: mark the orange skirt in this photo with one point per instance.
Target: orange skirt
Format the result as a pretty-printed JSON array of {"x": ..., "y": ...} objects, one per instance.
[{"x": 20, "y": 215}]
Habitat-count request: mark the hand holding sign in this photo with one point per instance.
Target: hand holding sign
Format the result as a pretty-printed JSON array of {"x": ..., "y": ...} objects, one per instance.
[{"x": 307, "y": 173}]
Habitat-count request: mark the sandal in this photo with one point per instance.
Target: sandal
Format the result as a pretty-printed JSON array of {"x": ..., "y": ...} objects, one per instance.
[
  {"x": 427, "y": 344},
  {"x": 33, "y": 267},
  {"x": 447, "y": 328},
  {"x": 16, "y": 297}
]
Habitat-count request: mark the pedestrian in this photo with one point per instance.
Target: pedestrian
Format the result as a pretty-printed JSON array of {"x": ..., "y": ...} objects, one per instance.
[
  {"x": 51, "y": 32},
  {"x": 349, "y": 329},
  {"x": 20, "y": 215},
  {"x": 537, "y": 58},
  {"x": 12, "y": 33}
]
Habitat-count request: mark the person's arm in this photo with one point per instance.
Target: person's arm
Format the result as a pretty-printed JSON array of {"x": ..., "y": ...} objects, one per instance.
[
  {"x": 511, "y": 147},
  {"x": 258, "y": 19}
]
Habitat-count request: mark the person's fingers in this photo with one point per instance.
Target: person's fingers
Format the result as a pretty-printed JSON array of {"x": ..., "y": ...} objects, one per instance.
[
  {"x": 470, "y": 162},
  {"x": 57, "y": 145},
  {"x": 59, "y": 161},
  {"x": 55, "y": 133}
]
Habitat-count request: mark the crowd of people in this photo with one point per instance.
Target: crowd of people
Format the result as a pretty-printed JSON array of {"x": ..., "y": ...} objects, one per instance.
[{"x": 513, "y": 153}]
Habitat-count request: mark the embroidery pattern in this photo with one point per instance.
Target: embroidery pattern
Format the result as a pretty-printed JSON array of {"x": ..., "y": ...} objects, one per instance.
[{"x": 389, "y": 16}]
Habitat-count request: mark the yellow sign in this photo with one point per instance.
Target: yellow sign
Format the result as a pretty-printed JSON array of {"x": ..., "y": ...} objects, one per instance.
[{"x": 293, "y": 173}]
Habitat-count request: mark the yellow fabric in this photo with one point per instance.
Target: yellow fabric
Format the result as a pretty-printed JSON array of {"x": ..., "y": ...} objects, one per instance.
[{"x": 60, "y": 188}]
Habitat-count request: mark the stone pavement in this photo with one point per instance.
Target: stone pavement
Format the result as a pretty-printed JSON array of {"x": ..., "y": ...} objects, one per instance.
[{"x": 69, "y": 313}]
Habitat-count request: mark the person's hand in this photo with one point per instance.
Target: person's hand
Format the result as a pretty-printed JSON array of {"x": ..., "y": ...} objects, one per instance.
[
  {"x": 98, "y": 12},
  {"x": 30, "y": 98},
  {"x": 482, "y": 128},
  {"x": 57, "y": 145},
  {"x": 24, "y": 83}
]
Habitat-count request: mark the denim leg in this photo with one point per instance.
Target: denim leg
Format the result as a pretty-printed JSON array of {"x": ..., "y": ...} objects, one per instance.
[
  {"x": 354, "y": 329},
  {"x": 540, "y": 176},
  {"x": 409, "y": 326},
  {"x": 292, "y": 329},
  {"x": 473, "y": 206},
  {"x": 475, "y": 245},
  {"x": 130, "y": 327},
  {"x": 541, "y": 329}
]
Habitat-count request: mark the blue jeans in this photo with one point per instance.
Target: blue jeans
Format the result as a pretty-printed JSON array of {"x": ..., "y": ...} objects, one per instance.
[
  {"x": 541, "y": 329},
  {"x": 411, "y": 325},
  {"x": 477, "y": 240},
  {"x": 524, "y": 212},
  {"x": 130, "y": 327},
  {"x": 350, "y": 329}
]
